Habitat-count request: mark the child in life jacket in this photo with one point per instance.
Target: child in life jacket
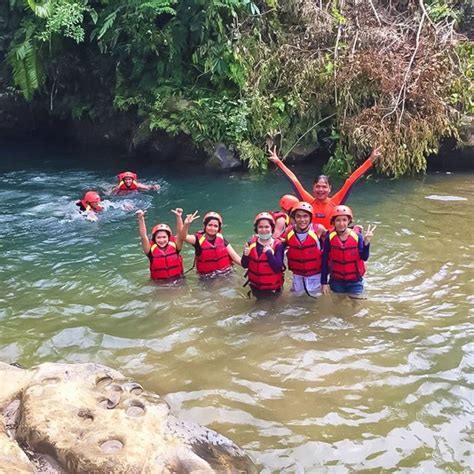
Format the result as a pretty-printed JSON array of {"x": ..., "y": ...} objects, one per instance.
[
  {"x": 163, "y": 250},
  {"x": 128, "y": 181},
  {"x": 282, "y": 217},
  {"x": 263, "y": 258},
  {"x": 214, "y": 255},
  {"x": 344, "y": 254},
  {"x": 89, "y": 205},
  {"x": 304, "y": 251}
]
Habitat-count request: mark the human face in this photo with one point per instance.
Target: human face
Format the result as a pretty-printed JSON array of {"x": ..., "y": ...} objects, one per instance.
[
  {"x": 321, "y": 190},
  {"x": 128, "y": 181},
  {"x": 341, "y": 223},
  {"x": 162, "y": 238},
  {"x": 212, "y": 227},
  {"x": 95, "y": 205},
  {"x": 302, "y": 219},
  {"x": 264, "y": 227}
]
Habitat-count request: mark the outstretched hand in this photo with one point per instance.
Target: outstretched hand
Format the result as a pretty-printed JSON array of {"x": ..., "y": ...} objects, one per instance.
[
  {"x": 369, "y": 233},
  {"x": 273, "y": 155},
  {"x": 376, "y": 153},
  {"x": 140, "y": 214},
  {"x": 191, "y": 217}
]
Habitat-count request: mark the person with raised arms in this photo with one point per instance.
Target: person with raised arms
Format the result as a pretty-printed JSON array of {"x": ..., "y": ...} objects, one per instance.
[
  {"x": 214, "y": 255},
  {"x": 323, "y": 205},
  {"x": 163, "y": 249}
]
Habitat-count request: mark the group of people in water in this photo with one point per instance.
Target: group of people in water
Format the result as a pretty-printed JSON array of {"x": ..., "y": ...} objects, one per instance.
[{"x": 324, "y": 250}]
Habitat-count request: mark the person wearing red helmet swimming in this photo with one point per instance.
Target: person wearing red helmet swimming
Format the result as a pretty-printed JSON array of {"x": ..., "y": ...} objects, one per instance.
[
  {"x": 163, "y": 250},
  {"x": 304, "y": 250},
  {"x": 282, "y": 217},
  {"x": 213, "y": 254},
  {"x": 323, "y": 205},
  {"x": 263, "y": 258},
  {"x": 344, "y": 254},
  {"x": 89, "y": 205},
  {"x": 128, "y": 181}
]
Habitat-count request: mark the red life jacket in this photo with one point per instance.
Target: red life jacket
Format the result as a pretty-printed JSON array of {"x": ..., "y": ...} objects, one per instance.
[
  {"x": 304, "y": 258},
  {"x": 214, "y": 256},
  {"x": 260, "y": 274},
  {"x": 344, "y": 259},
  {"x": 279, "y": 214},
  {"x": 165, "y": 263},
  {"x": 123, "y": 187}
]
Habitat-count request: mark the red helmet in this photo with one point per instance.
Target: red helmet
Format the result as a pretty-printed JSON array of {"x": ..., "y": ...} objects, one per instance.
[
  {"x": 127, "y": 174},
  {"x": 91, "y": 196},
  {"x": 341, "y": 211},
  {"x": 264, "y": 215},
  {"x": 287, "y": 202},
  {"x": 159, "y": 227},
  {"x": 212, "y": 215},
  {"x": 303, "y": 206}
]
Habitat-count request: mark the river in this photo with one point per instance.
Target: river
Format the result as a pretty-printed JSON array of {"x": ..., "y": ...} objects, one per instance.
[{"x": 327, "y": 385}]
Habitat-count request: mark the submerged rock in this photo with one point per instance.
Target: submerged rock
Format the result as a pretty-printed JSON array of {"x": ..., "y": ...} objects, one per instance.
[{"x": 84, "y": 418}]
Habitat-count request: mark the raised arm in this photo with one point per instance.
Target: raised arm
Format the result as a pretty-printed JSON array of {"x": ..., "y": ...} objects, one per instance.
[
  {"x": 303, "y": 194},
  {"x": 189, "y": 238},
  {"x": 142, "y": 231},
  {"x": 341, "y": 196},
  {"x": 179, "y": 227},
  {"x": 148, "y": 187},
  {"x": 233, "y": 255}
]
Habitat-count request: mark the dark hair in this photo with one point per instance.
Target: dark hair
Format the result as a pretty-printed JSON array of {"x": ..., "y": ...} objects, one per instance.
[
  {"x": 212, "y": 218},
  {"x": 272, "y": 224},
  {"x": 324, "y": 178}
]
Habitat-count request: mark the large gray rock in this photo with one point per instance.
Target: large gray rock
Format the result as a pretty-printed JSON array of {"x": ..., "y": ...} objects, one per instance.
[{"x": 85, "y": 418}]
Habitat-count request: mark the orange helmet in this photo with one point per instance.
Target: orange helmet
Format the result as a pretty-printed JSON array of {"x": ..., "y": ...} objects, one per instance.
[
  {"x": 212, "y": 215},
  {"x": 287, "y": 202},
  {"x": 303, "y": 206},
  {"x": 341, "y": 211},
  {"x": 127, "y": 174},
  {"x": 159, "y": 227},
  {"x": 264, "y": 215},
  {"x": 91, "y": 196}
]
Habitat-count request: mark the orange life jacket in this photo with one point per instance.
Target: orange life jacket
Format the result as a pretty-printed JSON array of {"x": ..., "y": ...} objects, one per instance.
[
  {"x": 214, "y": 256},
  {"x": 165, "y": 263},
  {"x": 260, "y": 274},
  {"x": 344, "y": 259},
  {"x": 304, "y": 258},
  {"x": 122, "y": 186}
]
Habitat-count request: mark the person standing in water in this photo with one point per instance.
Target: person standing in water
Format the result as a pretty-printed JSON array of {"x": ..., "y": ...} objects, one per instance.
[
  {"x": 282, "y": 217},
  {"x": 304, "y": 250},
  {"x": 213, "y": 254},
  {"x": 163, "y": 250},
  {"x": 128, "y": 181},
  {"x": 263, "y": 257},
  {"x": 323, "y": 205},
  {"x": 344, "y": 254}
]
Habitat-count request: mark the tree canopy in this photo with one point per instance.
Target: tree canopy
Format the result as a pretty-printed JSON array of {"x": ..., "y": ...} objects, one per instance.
[{"x": 347, "y": 74}]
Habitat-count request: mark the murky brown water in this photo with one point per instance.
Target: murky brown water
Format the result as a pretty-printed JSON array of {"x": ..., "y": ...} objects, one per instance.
[{"x": 304, "y": 386}]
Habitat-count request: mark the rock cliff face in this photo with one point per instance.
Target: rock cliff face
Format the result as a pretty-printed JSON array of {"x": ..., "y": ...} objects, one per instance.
[{"x": 62, "y": 418}]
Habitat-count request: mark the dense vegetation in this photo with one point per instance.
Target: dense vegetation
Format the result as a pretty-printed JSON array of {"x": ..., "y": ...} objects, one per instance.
[{"x": 346, "y": 74}]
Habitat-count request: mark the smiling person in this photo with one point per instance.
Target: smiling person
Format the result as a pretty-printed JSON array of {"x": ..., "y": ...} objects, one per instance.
[
  {"x": 323, "y": 205},
  {"x": 344, "y": 254},
  {"x": 304, "y": 251},
  {"x": 214, "y": 256},
  {"x": 166, "y": 264},
  {"x": 263, "y": 257},
  {"x": 128, "y": 181}
]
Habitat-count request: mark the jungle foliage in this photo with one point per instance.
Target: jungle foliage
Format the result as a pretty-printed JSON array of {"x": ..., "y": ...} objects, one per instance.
[{"x": 348, "y": 74}]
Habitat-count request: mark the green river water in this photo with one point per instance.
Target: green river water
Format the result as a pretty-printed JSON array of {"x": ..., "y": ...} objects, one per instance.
[{"x": 327, "y": 385}]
